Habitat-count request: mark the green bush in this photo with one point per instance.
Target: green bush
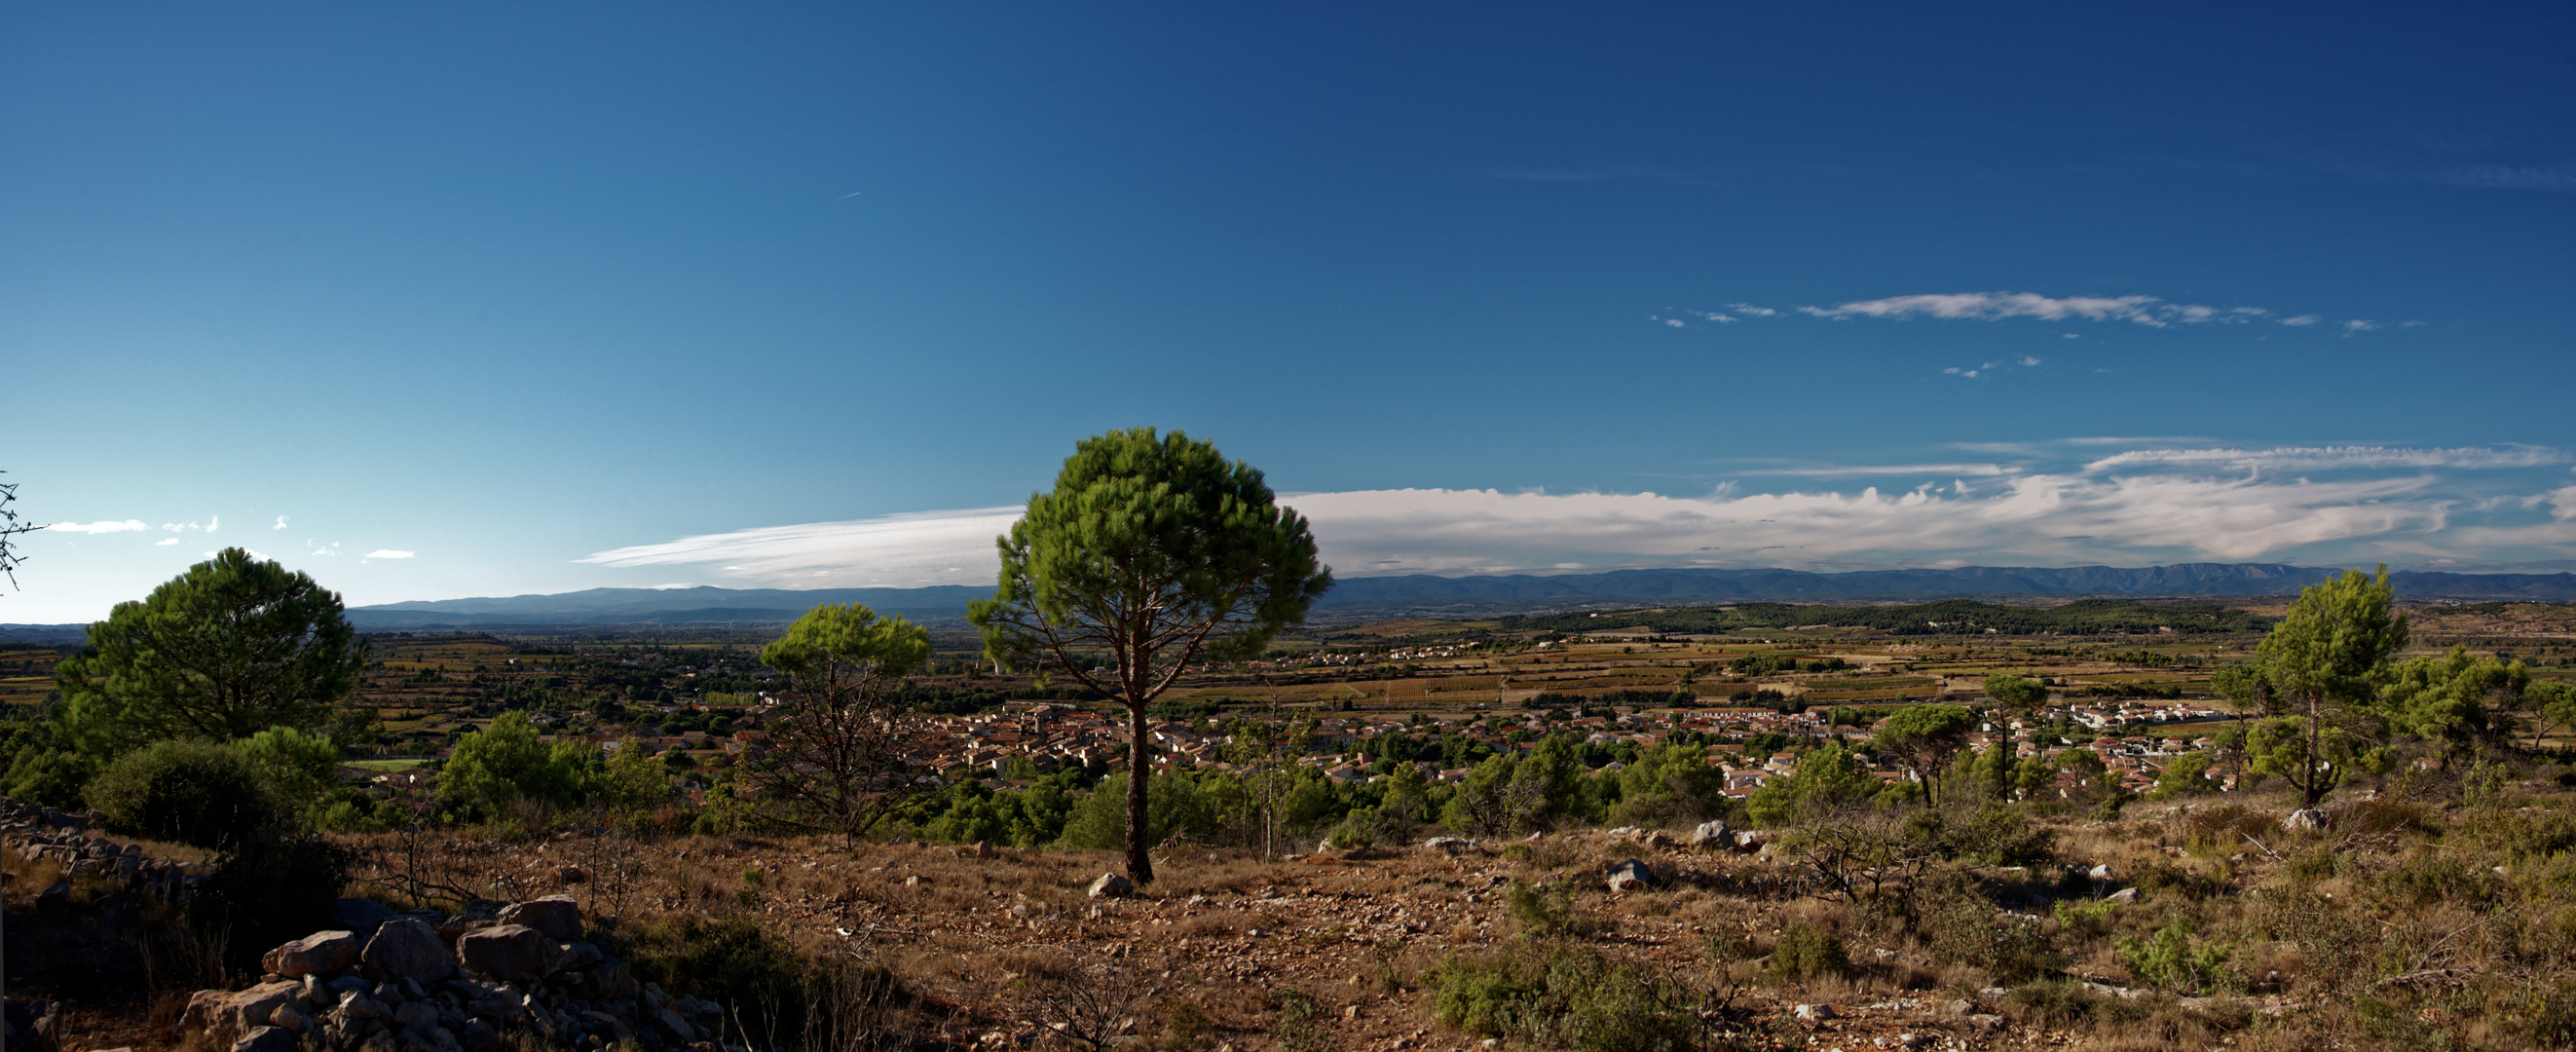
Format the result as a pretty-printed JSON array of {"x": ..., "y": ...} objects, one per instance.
[
  {"x": 1542, "y": 912},
  {"x": 1300, "y": 1026},
  {"x": 2085, "y": 920},
  {"x": 1807, "y": 952},
  {"x": 1567, "y": 997},
  {"x": 52, "y": 777},
  {"x": 189, "y": 791},
  {"x": 2173, "y": 961}
]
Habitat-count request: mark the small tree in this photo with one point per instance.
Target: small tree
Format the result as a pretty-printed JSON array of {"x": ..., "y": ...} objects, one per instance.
[
  {"x": 2020, "y": 694},
  {"x": 835, "y": 754},
  {"x": 2328, "y": 659},
  {"x": 232, "y": 647},
  {"x": 505, "y": 763},
  {"x": 1154, "y": 552},
  {"x": 1922, "y": 738}
]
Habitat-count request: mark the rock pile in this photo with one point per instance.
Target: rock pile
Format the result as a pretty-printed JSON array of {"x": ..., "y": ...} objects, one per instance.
[
  {"x": 427, "y": 982},
  {"x": 44, "y": 832}
]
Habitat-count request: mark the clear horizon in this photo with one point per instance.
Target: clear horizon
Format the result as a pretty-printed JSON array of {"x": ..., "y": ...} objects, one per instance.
[{"x": 494, "y": 301}]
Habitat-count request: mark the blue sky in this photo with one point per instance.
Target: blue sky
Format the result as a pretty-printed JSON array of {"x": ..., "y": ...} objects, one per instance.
[{"x": 556, "y": 296}]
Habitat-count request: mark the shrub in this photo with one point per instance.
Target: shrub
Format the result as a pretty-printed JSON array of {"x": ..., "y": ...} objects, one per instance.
[
  {"x": 1568, "y": 997},
  {"x": 1542, "y": 912},
  {"x": 271, "y": 888},
  {"x": 1299, "y": 1027},
  {"x": 1806, "y": 952},
  {"x": 1965, "y": 929},
  {"x": 733, "y": 962},
  {"x": 2085, "y": 920},
  {"x": 193, "y": 792},
  {"x": 2172, "y": 961}
]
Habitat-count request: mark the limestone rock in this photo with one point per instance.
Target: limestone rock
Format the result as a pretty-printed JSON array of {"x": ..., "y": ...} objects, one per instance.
[
  {"x": 1815, "y": 1013},
  {"x": 1450, "y": 844},
  {"x": 1710, "y": 834},
  {"x": 405, "y": 948},
  {"x": 514, "y": 952},
  {"x": 2308, "y": 820},
  {"x": 556, "y": 915},
  {"x": 1112, "y": 886},
  {"x": 1632, "y": 875},
  {"x": 322, "y": 951},
  {"x": 249, "y": 1009},
  {"x": 2124, "y": 896}
]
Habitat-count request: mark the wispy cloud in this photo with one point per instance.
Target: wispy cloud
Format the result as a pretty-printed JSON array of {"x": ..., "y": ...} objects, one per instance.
[
  {"x": 2150, "y": 311},
  {"x": 387, "y": 553},
  {"x": 2134, "y": 507},
  {"x": 165, "y": 541},
  {"x": 281, "y": 523},
  {"x": 1829, "y": 471},
  {"x": 2325, "y": 458},
  {"x": 126, "y": 526},
  {"x": 1997, "y": 306},
  {"x": 2557, "y": 177}
]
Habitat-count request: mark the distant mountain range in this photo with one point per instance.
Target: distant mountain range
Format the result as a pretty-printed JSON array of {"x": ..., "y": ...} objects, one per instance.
[{"x": 1429, "y": 594}]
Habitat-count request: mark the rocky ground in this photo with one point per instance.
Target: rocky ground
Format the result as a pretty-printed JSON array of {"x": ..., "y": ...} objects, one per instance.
[{"x": 994, "y": 948}]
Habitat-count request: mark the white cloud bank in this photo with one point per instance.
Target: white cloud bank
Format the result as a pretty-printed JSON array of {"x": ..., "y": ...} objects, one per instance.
[
  {"x": 2133, "y": 508},
  {"x": 126, "y": 526}
]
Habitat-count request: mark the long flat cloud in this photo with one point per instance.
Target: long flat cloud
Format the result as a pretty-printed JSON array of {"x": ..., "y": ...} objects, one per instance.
[{"x": 2147, "y": 506}]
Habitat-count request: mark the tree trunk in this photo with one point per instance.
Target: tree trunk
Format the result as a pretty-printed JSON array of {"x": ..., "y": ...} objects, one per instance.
[
  {"x": 2309, "y": 792},
  {"x": 1140, "y": 868}
]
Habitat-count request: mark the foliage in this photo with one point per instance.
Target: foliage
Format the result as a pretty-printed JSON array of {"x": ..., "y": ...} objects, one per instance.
[
  {"x": 193, "y": 792},
  {"x": 1543, "y": 912},
  {"x": 505, "y": 763},
  {"x": 1805, "y": 952},
  {"x": 735, "y": 962},
  {"x": 1565, "y": 995},
  {"x": 2174, "y": 961},
  {"x": 1511, "y": 795},
  {"x": 1825, "y": 778},
  {"x": 231, "y": 647},
  {"x": 1670, "y": 784},
  {"x": 835, "y": 757},
  {"x": 296, "y": 769},
  {"x": 2184, "y": 775},
  {"x": 1923, "y": 737},
  {"x": 2329, "y": 657},
  {"x": 2445, "y": 699},
  {"x": 1155, "y": 552},
  {"x": 2018, "y": 693},
  {"x": 42, "y": 770}
]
